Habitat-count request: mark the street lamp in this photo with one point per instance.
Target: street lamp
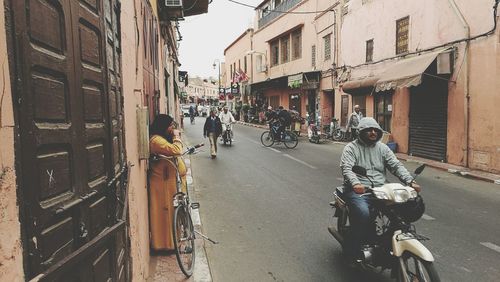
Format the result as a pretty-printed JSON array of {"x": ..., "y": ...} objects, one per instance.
[{"x": 214, "y": 65}]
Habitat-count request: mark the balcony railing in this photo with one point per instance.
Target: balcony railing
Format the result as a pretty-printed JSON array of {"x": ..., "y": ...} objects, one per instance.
[{"x": 278, "y": 11}]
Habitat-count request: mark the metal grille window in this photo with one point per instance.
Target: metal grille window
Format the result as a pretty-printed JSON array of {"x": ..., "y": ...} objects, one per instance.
[
  {"x": 285, "y": 49},
  {"x": 369, "y": 50},
  {"x": 296, "y": 45},
  {"x": 275, "y": 60},
  {"x": 313, "y": 56},
  {"x": 328, "y": 48},
  {"x": 383, "y": 110},
  {"x": 402, "y": 31}
]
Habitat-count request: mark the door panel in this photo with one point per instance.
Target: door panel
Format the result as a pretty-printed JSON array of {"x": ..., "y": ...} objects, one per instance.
[{"x": 71, "y": 135}]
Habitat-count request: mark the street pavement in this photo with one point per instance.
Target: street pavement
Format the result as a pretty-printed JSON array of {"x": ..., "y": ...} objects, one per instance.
[{"x": 268, "y": 208}]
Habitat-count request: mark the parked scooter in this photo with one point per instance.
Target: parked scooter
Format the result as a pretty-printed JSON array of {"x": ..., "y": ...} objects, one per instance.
[
  {"x": 313, "y": 133},
  {"x": 395, "y": 244}
]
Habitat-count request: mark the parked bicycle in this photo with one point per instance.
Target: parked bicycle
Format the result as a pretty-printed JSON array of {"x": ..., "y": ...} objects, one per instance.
[
  {"x": 183, "y": 231},
  {"x": 269, "y": 137}
]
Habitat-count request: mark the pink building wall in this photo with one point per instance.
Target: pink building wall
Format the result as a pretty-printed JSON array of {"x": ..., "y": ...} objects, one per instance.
[
  {"x": 433, "y": 23},
  {"x": 11, "y": 256}
]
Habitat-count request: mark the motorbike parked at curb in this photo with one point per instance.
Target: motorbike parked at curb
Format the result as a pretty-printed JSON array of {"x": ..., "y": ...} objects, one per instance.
[
  {"x": 313, "y": 134},
  {"x": 395, "y": 244}
]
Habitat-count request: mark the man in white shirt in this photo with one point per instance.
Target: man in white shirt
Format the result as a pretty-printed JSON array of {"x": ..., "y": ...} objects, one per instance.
[{"x": 227, "y": 119}]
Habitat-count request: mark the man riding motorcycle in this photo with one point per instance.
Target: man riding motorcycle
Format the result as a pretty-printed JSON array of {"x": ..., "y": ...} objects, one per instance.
[
  {"x": 376, "y": 157},
  {"x": 226, "y": 118}
]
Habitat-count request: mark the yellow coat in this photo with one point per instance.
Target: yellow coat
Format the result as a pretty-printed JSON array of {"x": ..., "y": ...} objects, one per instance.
[{"x": 162, "y": 187}]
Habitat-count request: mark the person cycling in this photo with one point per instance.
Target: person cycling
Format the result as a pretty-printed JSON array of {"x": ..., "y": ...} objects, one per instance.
[
  {"x": 273, "y": 120},
  {"x": 284, "y": 119},
  {"x": 226, "y": 118},
  {"x": 367, "y": 151},
  {"x": 192, "y": 112}
]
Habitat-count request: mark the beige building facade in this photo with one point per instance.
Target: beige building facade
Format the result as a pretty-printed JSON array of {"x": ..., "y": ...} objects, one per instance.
[
  {"x": 293, "y": 51},
  {"x": 394, "y": 66}
]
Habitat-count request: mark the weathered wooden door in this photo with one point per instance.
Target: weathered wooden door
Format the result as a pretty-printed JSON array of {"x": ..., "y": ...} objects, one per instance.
[
  {"x": 68, "y": 89},
  {"x": 344, "y": 109}
]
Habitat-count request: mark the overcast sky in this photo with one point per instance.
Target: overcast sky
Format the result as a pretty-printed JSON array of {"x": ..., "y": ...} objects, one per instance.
[{"x": 204, "y": 37}]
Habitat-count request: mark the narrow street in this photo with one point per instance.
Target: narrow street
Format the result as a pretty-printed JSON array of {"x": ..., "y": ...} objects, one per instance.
[{"x": 268, "y": 208}]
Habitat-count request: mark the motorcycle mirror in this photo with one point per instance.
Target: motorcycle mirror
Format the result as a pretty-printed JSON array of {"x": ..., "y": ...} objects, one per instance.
[
  {"x": 359, "y": 170},
  {"x": 419, "y": 169}
]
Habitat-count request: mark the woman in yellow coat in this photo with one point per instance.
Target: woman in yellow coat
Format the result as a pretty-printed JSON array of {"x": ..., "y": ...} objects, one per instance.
[{"x": 165, "y": 140}]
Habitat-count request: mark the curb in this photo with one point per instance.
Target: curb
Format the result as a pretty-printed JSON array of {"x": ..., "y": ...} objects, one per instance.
[
  {"x": 454, "y": 169},
  {"x": 202, "y": 270},
  {"x": 457, "y": 170}
]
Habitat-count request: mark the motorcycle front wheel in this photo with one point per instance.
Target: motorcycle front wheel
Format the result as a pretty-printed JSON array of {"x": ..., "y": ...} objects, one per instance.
[{"x": 413, "y": 268}]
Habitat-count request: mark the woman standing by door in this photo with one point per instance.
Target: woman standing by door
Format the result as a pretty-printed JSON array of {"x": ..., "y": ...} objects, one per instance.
[{"x": 165, "y": 140}]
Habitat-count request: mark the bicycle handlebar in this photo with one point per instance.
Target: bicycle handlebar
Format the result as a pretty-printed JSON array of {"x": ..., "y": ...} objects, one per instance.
[{"x": 189, "y": 151}]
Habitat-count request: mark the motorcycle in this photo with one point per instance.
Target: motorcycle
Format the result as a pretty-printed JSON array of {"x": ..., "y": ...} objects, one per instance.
[
  {"x": 313, "y": 134},
  {"x": 395, "y": 245},
  {"x": 227, "y": 135}
]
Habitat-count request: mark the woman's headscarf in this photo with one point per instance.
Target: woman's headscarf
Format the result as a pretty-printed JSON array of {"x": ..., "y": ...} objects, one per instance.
[{"x": 160, "y": 125}]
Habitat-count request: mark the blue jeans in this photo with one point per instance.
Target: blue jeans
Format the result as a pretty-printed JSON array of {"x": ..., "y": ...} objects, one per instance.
[{"x": 362, "y": 225}]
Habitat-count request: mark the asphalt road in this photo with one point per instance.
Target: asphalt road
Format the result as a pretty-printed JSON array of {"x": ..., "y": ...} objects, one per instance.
[{"x": 268, "y": 208}]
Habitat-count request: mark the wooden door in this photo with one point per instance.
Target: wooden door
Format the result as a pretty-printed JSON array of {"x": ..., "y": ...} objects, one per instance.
[
  {"x": 344, "y": 111},
  {"x": 71, "y": 136}
]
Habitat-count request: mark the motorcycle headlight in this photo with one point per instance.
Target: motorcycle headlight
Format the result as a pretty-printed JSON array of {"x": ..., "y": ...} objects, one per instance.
[
  {"x": 401, "y": 195},
  {"x": 381, "y": 195}
]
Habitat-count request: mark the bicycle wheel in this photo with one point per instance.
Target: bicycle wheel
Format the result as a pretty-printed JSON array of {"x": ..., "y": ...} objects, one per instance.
[
  {"x": 183, "y": 235},
  {"x": 267, "y": 139},
  {"x": 290, "y": 140},
  {"x": 413, "y": 268}
]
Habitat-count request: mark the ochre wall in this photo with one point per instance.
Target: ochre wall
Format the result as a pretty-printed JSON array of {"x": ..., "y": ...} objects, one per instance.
[
  {"x": 400, "y": 118},
  {"x": 11, "y": 257},
  {"x": 133, "y": 97}
]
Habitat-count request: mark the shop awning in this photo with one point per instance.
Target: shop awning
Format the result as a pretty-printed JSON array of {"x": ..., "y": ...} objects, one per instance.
[
  {"x": 362, "y": 80},
  {"x": 406, "y": 72}
]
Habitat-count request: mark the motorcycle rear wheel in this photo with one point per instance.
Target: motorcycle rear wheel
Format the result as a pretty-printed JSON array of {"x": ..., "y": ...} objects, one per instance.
[{"x": 413, "y": 268}]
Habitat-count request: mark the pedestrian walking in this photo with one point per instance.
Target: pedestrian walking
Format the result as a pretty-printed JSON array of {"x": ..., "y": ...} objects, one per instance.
[
  {"x": 165, "y": 140},
  {"x": 212, "y": 129},
  {"x": 353, "y": 122}
]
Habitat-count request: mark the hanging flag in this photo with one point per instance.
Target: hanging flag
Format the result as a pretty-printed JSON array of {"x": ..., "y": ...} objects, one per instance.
[
  {"x": 235, "y": 76},
  {"x": 242, "y": 76}
]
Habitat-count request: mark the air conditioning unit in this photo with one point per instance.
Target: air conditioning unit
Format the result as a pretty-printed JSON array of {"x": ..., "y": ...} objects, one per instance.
[
  {"x": 173, "y": 3},
  {"x": 171, "y": 10}
]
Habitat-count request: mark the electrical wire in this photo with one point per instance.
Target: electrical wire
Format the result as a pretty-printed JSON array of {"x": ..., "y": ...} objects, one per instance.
[
  {"x": 281, "y": 12},
  {"x": 488, "y": 33}
]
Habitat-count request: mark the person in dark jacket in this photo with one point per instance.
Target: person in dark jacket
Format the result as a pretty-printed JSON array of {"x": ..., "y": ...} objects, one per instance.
[
  {"x": 212, "y": 129},
  {"x": 367, "y": 151}
]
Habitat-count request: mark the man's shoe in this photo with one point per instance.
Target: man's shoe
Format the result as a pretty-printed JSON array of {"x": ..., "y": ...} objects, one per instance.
[{"x": 214, "y": 156}]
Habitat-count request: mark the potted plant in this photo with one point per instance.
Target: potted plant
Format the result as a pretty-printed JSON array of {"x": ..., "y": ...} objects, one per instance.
[{"x": 237, "y": 109}]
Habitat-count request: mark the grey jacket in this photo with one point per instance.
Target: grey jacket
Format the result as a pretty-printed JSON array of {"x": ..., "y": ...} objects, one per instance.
[{"x": 375, "y": 158}]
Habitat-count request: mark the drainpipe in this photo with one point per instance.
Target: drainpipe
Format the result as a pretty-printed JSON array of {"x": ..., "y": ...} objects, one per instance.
[{"x": 466, "y": 26}]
